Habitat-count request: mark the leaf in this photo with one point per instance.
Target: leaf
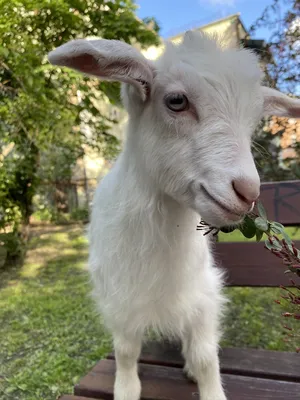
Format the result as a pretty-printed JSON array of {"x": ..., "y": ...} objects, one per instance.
[
  {"x": 287, "y": 238},
  {"x": 268, "y": 245},
  {"x": 54, "y": 389},
  {"x": 248, "y": 227},
  {"x": 273, "y": 244},
  {"x": 276, "y": 243},
  {"x": 10, "y": 389},
  {"x": 22, "y": 386},
  {"x": 261, "y": 210},
  {"x": 261, "y": 224},
  {"x": 259, "y": 235},
  {"x": 228, "y": 229},
  {"x": 4, "y": 52},
  {"x": 277, "y": 228},
  {"x": 29, "y": 81},
  {"x": 278, "y": 225}
]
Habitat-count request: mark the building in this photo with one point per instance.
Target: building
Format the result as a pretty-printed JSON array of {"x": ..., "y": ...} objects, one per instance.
[
  {"x": 231, "y": 28},
  {"x": 289, "y": 130}
]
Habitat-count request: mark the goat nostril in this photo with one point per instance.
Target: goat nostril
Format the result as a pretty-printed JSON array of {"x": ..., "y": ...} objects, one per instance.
[
  {"x": 239, "y": 194},
  {"x": 246, "y": 190}
]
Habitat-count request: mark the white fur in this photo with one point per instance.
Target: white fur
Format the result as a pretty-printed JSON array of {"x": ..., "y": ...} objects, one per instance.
[{"x": 149, "y": 266}]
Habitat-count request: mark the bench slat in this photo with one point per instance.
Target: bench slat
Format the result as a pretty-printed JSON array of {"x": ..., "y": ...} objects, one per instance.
[
  {"x": 167, "y": 383},
  {"x": 250, "y": 264},
  {"x": 281, "y": 200},
  {"x": 247, "y": 362},
  {"x": 71, "y": 397}
]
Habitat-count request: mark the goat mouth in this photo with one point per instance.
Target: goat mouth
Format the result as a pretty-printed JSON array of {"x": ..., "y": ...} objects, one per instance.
[{"x": 219, "y": 204}]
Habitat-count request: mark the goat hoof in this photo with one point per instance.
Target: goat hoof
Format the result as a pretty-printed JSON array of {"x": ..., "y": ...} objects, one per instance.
[
  {"x": 188, "y": 374},
  {"x": 131, "y": 390},
  {"x": 220, "y": 396}
]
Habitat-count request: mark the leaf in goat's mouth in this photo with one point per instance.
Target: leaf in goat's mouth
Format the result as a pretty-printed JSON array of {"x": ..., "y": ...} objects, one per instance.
[
  {"x": 247, "y": 226},
  {"x": 204, "y": 226}
]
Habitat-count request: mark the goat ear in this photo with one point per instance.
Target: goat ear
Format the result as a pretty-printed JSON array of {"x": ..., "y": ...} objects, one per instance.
[
  {"x": 107, "y": 59},
  {"x": 279, "y": 104}
]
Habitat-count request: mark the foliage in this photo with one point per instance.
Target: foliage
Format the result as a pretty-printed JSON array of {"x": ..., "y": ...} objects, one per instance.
[
  {"x": 48, "y": 214},
  {"x": 50, "y": 334},
  {"x": 44, "y": 214},
  {"x": 44, "y": 111},
  {"x": 268, "y": 150},
  {"x": 51, "y": 215},
  {"x": 11, "y": 248},
  {"x": 282, "y": 20},
  {"x": 10, "y": 213},
  {"x": 80, "y": 214}
]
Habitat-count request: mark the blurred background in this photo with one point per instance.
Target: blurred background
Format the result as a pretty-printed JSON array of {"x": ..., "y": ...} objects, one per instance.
[{"x": 60, "y": 132}]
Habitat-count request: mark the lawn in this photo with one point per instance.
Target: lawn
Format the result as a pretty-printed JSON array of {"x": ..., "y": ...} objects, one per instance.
[{"x": 51, "y": 335}]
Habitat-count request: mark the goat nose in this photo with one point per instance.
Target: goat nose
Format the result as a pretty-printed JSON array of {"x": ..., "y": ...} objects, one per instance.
[{"x": 246, "y": 189}]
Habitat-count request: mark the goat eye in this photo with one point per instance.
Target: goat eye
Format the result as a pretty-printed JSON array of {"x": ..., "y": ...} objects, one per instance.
[{"x": 177, "y": 102}]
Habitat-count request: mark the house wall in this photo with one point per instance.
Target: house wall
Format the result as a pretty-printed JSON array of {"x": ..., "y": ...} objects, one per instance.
[{"x": 231, "y": 30}]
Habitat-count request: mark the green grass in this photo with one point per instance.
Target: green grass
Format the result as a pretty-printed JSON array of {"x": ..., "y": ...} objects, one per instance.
[
  {"x": 50, "y": 334},
  {"x": 236, "y": 236}
]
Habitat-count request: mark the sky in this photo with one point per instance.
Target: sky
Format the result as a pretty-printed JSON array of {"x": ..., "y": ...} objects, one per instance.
[{"x": 176, "y": 16}]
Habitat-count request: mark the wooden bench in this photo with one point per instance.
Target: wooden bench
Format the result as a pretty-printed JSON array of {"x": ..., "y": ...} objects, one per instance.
[{"x": 248, "y": 374}]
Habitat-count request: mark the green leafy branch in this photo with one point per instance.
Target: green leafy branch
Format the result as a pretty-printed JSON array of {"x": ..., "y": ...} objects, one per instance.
[{"x": 256, "y": 224}]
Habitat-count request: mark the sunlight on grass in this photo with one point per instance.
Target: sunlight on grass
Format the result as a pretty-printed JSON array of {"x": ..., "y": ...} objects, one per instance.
[
  {"x": 30, "y": 270},
  {"x": 50, "y": 333}
]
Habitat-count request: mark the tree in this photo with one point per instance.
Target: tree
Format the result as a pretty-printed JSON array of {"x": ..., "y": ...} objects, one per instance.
[
  {"x": 282, "y": 18},
  {"x": 40, "y": 110}
]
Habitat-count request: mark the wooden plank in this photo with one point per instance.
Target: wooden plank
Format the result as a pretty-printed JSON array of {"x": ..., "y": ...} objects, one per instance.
[
  {"x": 281, "y": 200},
  {"x": 166, "y": 383},
  {"x": 250, "y": 264},
  {"x": 247, "y": 362},
  {"x": 71, "y": 397},
  {"x": 277, "y": 365}
]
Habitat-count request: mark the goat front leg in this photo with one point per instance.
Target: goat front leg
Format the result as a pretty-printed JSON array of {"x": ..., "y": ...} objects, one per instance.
[
  {"x": 187, "y": 369},
  {"x": 200, "y": 349},
  {"x": 127, "y": 351}
]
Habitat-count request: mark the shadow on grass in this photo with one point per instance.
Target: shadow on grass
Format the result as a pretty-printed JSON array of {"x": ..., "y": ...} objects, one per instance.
[
  {"x": 61, "y": 267},
  {"x": 39, "y": 236},
  {"x": 10, "y": 272},
  {"x": 50, "y": 254}
]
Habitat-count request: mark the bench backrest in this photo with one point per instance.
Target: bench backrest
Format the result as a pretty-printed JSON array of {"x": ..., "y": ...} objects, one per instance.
[{"x": 249, "y": 263}]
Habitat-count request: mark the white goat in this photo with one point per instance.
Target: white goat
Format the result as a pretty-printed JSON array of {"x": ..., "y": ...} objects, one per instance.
[{"x": 188, "y": 153}]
